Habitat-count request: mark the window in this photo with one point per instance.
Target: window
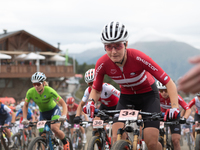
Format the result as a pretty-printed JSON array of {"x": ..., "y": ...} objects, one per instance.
[{"x": 3, "y": 83}]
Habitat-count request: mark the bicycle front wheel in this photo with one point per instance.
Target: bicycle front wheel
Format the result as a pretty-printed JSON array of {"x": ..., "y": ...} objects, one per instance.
[
  {"x": 37, "y": 143},
  {"x": 121, "y": 145},
  {"x": 16, "y": 139},
  {"x": 77, "y": 141},
  {"x": 95, "y": 144}
]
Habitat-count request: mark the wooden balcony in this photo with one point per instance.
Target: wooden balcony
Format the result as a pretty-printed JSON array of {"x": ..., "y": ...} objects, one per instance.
[{"x": 25, "y": 71}]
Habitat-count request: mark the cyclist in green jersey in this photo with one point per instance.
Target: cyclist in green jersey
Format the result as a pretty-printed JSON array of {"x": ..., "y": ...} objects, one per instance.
[{"x": 46, "y": 98}]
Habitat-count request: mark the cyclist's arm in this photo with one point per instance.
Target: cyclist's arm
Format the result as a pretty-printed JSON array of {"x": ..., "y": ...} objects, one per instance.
[
  {"x": 64, "y": 106},
  {"x": 185, "y": 106},
  {"x": 25, "y": 109},
  {"x": 95, "y": 95},
  {"x": 187, "y": 113},
  {"x": 13, "y": 117},
  {"x": 173, "y": 95},
  {"x": 80, "y": 108},
  {"x": 33, "y": 117},
  {"x": 85, "y": 116}
]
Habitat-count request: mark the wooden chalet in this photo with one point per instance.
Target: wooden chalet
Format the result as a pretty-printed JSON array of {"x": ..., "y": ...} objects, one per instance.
[{"x": 15, "y": 73}]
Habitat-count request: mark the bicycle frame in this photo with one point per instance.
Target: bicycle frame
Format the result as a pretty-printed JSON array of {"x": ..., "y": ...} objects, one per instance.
[{"x": 2, "y": 139}]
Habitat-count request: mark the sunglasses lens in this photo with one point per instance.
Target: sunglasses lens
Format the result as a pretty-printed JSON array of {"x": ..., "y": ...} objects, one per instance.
[
  {"x": 90, "y": 84},
  {"x": 163, "y": 91},
  {"x": 117, "y": 46},
  {"x": 36, "y": 84}
]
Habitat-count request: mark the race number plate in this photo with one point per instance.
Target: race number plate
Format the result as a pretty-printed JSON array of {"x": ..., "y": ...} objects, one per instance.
[
  {"x": 21, "y": 126},
  {"x": 128, "y": 114},
  {"x": 76, "y": 126},
  {"x": 161, "y": 125},
  {"x": 97, "y": 123},
  {"x": 41, "y": 124},
  {"x": 197, "y": 125}
]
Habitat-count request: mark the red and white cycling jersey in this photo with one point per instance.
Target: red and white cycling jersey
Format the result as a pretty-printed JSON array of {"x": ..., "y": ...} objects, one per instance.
[
  {"x": 195, "y": 101},
  {"x": 72, "y": 111},
  {"x": 109, "y": 95},
  {"x": 166, "y": 103},
  {"x": 134, "y": 77}
]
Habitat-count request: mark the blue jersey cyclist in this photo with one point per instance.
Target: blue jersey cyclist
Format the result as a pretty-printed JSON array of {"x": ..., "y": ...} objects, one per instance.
[
  {"x": 46, "y": 98},
  {"x": 30, "y": 116},
  {"x": 7, "y": 116}
]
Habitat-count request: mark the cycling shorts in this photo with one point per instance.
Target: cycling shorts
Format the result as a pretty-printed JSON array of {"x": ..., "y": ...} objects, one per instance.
[
  {"x": 146, "y": 102},
  {"x": 71, "y": 120},
  {"x": 5, "y": 119},
  {"x": 175, "y": 129},
  {"x": 53, "y": 114},
  {"x": 185, "y": 126}
]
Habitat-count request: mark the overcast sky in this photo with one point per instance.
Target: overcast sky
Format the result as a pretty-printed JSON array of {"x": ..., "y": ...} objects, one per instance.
[{"x": 77, "y": 24}]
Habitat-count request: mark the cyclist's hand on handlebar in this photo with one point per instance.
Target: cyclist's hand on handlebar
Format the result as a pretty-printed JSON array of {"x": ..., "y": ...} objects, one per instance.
[
  {"x": 182, "y": 120},
  {"x": 172, "y": 113},
  {"x": 89, "y": 108},
  {"x": 77, "y": 119},
  {"x": 25, "y": 121},
  {"x": 62, "y": 118}
]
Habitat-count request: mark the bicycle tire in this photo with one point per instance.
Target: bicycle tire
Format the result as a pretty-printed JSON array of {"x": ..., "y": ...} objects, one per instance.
[
  {"x": 16, "y": 139},
  {"x": 189, "y": 141},
  {"x": 77, "y": 137},
  {"x": 121, "y": 145},
  {"x": 38, "y": 139},
  {"x": 95, "y": 140},
  {"x": 197, "y": 142},
  {"x": 70, "y": 143}
]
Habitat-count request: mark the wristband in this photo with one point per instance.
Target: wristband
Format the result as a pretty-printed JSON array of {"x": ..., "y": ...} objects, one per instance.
[{"x": 91, "y": 99}]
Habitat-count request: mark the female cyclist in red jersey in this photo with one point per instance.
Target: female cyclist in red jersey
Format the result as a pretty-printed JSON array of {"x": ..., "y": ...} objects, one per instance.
[
  {"x": 133, "y": 71},
  {"x": 166, "y": 104},
  {"x": 109, "y": 96}
]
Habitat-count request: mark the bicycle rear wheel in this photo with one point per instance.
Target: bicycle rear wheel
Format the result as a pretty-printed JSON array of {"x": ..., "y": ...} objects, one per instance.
[
  {"x": 95, "y": 144},
  {"x": 121, "y": 145},
  {"x": 37, "y": 143}
]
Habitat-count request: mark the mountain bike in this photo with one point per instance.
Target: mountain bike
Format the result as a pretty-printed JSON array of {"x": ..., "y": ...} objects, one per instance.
[
  {"x": 131, "y": 116},
  {"x": 101, "y": 139},
  {"x": 77, "y": 139},
  {"x": 188, "y": 136},
  {"x": 197, "y": 135},
  {"x": 131, "y": 129},
  {"x": 4, "y": 140},
  {"x": 49, "y": 141},
  {"x": 23, "y": 136}
]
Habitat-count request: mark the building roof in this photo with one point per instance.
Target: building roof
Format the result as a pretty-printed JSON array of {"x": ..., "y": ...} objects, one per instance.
[{"x": 6, "y": 35}]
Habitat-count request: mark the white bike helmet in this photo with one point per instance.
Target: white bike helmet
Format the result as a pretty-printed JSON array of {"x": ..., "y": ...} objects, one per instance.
[
  {"x": 160, "y": 85},
  {"x": 22, "y": 104},
  {"x": 114, "y": 32},
  {"x": 89, "y": 75},
  {"x": 38, "y": 77}
]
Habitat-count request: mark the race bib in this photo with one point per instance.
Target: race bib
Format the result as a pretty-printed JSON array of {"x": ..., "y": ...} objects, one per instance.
[
  {"x": 21, "y": 126},
  {"x": 41, "y": 124},
  {"x": 76, "y": 126},
  {"x": 128, "y": 114},
  {"x": 97, "y": 123}
]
